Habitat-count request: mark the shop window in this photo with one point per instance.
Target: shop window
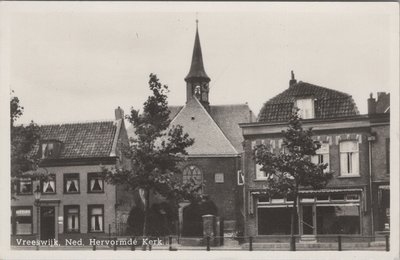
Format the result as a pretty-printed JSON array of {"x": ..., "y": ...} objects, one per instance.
[
  {"x": 71, "y": 183},
  {"x": 95, "y": 183},
  {"x": 338, "y": 219},
  {"x": 349, "y": 161},
  {"x": 25, "y": 186},
  {"x": 337, "y": 197},
  {"x": 22, "y": 221},
  {"x": 263, "y": 199},
  {"x": 353, "y": 197},
  {"x": 96, "y": 218},
  {"x": 49, "y": 186},
  {"x": 306, "y": 106},
  {"x": 322, "y": 156},
  {"x": 274, "y": 221},
  {"x": 323, "y": 197},
  {"x": 71, "y": 219}
]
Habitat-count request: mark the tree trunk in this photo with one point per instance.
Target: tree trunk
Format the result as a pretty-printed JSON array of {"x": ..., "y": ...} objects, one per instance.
[
  {"x": 146, "y": 212},
  {"x": 294, "y": 218}
]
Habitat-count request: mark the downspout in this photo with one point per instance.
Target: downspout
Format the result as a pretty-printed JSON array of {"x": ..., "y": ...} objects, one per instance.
[{"x": 370, "y": 140}]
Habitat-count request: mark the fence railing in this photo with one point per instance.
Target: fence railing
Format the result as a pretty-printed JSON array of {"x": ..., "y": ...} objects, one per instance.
[{"x": 249, "y": 243}]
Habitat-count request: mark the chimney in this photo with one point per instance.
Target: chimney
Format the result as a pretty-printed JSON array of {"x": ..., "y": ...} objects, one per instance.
[
  {"x": 371, "y": 105},
  {"x": 292, "y": 80},
  {"x": 119, "y": 113}
]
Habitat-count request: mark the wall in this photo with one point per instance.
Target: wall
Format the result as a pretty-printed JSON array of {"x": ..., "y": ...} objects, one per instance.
[
  {"x": 336, "y": 182},
  {"x": 83, "y": 199},
  {"x": 225, "y": 195}
]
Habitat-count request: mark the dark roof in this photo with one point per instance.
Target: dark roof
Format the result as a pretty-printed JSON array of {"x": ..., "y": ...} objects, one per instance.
[
  {"x": 197, "y": 66},
  {"x": 329, "y": 103},
  {"x": 82, "y": 140},
  {"x": 228, "y": 118}
]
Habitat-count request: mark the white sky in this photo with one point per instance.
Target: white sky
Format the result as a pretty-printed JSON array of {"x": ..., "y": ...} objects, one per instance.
[{"x": 76, "y": 62}]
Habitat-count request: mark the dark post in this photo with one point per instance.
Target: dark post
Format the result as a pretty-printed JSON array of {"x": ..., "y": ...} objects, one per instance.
[
  {"x": 339, "y": 240},
  {"x": 170, "y": 243},
  {"x": 387, "y": 243},
  {"x": 208, "y": 243},
  {"x": 109, "y": 231},
  {"x": 115, "y": 245},
  {"x": 149, "y": 247},
  {"x": 94, "y": 245},
  {"x": 251, "y": 244},
  {"x": 292, "y": 243},
  {"x": 133, "y": 245}
]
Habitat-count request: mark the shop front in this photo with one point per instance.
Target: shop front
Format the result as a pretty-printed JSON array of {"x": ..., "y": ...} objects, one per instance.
[{"x": 322, "y": 212}]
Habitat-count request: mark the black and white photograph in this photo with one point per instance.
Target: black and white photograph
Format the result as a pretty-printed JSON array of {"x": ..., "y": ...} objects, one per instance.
[{"x": 198, "y": 129}]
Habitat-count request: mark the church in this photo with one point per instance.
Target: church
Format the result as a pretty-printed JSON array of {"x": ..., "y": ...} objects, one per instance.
[{"x": 215, "y": 158}]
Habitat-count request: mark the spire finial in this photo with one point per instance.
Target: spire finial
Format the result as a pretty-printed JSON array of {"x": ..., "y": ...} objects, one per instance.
[
  {"x": 292, "y": 74},
  {"x": 197, "y": 20},
  {"x": 292, "y": 81}
]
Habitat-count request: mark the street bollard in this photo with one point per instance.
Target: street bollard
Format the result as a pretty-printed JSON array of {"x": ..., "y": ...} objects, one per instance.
[
  {"x": 339, "y": 240},
  {"x": 208, "y": 243},
  {"x": 387, "y": 243},
  {"x": 115, "y": 245},
  {"x": 133, "y": 245},
  {"x": 94, "y": 244},
  {"x": 292, "y": 243},
  {"x": 149, "y": 247},
  {"x": 250, "y": 243},
  {"x": 170, "y": 243}
]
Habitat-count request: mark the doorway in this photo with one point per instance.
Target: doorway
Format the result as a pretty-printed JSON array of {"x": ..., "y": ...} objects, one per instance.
[
  {"x": 308, "y": 220},
  {"x": 47, "y": 223}
]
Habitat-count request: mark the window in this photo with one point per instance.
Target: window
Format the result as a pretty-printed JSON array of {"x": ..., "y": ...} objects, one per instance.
[
  {"x": 95, "y": 182},
  {"x": 22, "y": 221},
  {"x": 49, "y": 186},
  {"x": 96, "y": 218},
  {"x": 322, "y": 156},
  {"x": 219, "y": 178},
  {"x": 306, "y": 106},
  {"x": 349, "y": 162},
  {"x": 47, "y": 150},
  {"x": 192, "y": 172},
  {"x": 71, "y": 219},
  {"x": 71, "y": 183},
  {"x": 388, "y": 155},
  {"x": 25, "y": 186},
  {"x": 260, "y": 174}
]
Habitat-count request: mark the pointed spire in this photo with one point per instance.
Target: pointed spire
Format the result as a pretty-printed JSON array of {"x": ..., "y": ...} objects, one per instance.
[{"x": 197, "y": 67}]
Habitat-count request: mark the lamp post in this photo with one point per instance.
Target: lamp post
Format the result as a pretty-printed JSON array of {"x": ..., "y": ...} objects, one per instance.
[{"x": 37, "y": 195}]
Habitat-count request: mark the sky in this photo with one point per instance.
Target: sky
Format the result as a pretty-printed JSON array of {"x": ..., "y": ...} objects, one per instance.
[{"x": 78, "y": 62}]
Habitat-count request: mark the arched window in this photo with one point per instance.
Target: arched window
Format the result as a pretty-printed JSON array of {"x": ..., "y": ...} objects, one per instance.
[{"x": 192, "y": 172}]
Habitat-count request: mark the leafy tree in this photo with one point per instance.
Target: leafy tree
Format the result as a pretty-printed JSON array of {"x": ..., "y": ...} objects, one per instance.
[
  {"x": 24, "y": 162},
  {"x": 292, "y": 169},
  {"x": 154, "y": 154}
]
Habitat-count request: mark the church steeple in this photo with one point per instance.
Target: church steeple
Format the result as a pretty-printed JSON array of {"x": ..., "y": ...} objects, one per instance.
[{"x": 197, "y": 79}]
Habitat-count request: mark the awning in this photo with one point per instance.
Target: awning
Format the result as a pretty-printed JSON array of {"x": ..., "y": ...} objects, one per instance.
[{"x": 330, "y": 191}]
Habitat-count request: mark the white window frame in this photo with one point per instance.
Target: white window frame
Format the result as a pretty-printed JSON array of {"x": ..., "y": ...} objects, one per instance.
[
  {"x": 323, "y": 152},
  {"x": 306, "y": 106},
  {"x": 349, "y": 159},
  {"x": 260, "y": 175}
]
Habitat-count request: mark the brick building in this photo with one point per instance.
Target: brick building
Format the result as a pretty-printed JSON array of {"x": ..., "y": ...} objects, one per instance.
[
  {"x": 380, "y": 163},
  {"x": 347, "y": 138},
  {"x": 75, "y": 202}
]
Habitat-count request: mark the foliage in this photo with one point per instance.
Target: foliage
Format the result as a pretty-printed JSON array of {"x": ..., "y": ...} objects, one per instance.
[
  {"x": 24, "y": 161},
  {"x": 155, "y": 153},
  {"x": 292, "y": 169}
]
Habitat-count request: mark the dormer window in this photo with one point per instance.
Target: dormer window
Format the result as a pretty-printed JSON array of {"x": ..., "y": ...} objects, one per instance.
[
  {"x": 306, "y": 106},
  {"x": 50, "y": 149}
]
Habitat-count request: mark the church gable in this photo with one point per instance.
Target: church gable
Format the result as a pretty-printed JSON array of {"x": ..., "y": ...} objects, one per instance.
[{"x": 209, "y": 139}]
